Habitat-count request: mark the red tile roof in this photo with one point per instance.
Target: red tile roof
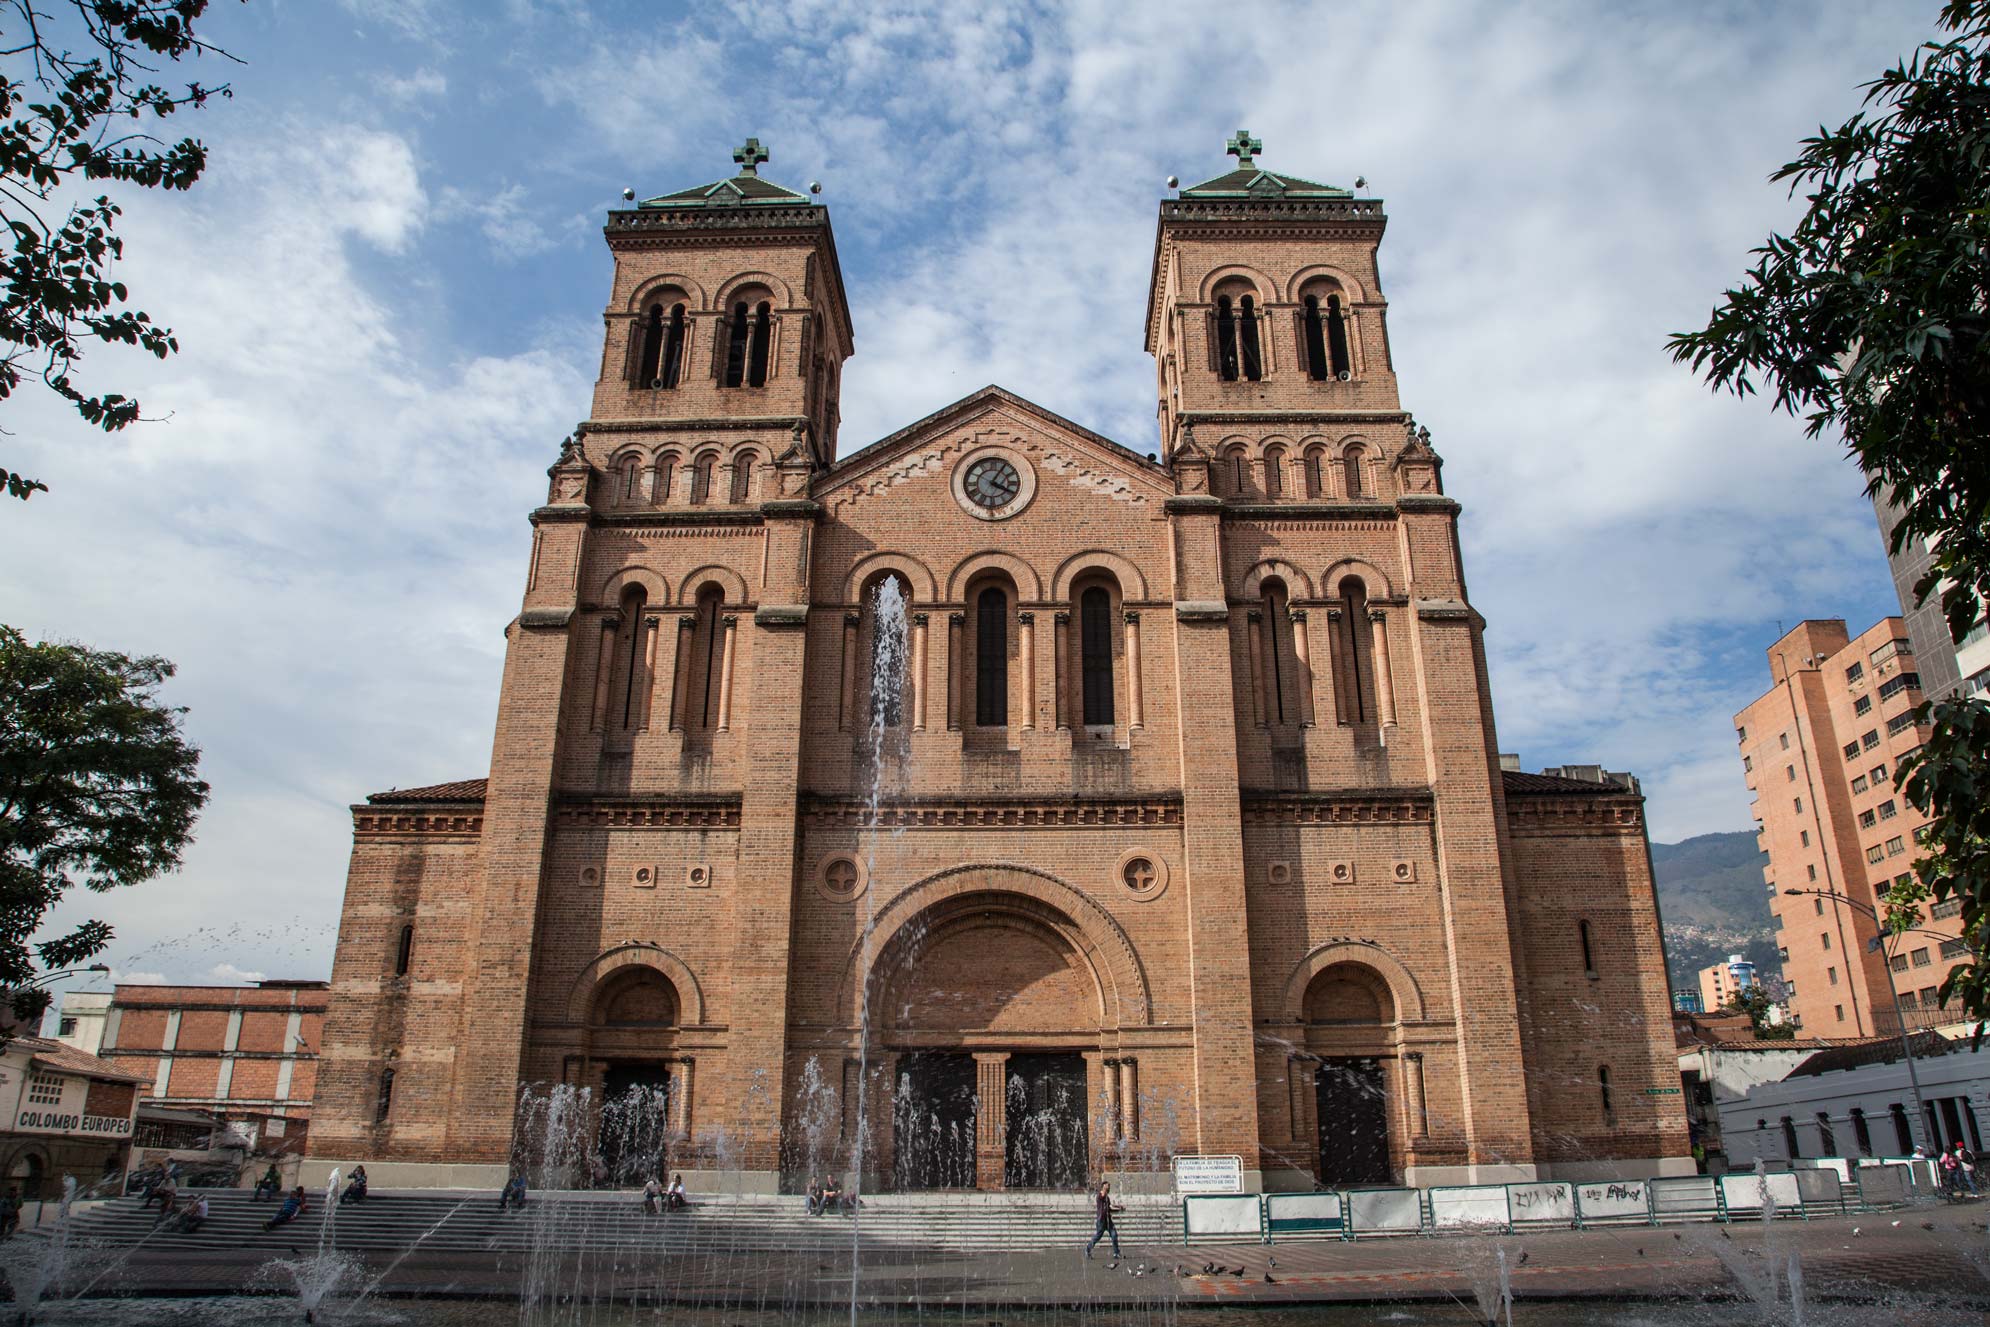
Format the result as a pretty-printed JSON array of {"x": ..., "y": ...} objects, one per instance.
[
  {"x": 463, "y": 790},
  {"x": 1554, "y": 785},
  {"x": 64, "y": 1058}
]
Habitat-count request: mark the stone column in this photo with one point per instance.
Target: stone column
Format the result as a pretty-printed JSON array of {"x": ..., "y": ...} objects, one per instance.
[
  {"x": 846, "y": 690},
  {"x": 1026, "y": 636},
  {"x": 956, "y": 623},
  {"x": 1302, "y": 654},
  {"x": 1060, "y": 650},
  {"x": 1129, "y": 1099},
  {"x": 1135, "y": 690},
  {"x": 680, "y": 677},
  {"x": 603, "y": 669},
  {"x": 1254, "y": 628},
  {"x": 918, "y": 672},
  {"x": 680, "y": 1099},
  {"x": 725, "y": 673},
  {"x": 991, "y": 1128},
  {"x": 1385, "y": 692},
  {"x": 650, "y": 633}
]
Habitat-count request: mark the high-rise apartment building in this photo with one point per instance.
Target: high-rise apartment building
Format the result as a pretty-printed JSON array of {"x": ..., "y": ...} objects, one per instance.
[
  {"x": 1721, "y": 982},
  {"x": 1819, "y": 749},
  {"x": 1945, "y": 664}
]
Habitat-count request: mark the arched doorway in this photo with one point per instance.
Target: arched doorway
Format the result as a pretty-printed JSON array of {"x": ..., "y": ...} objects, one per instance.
[
  {"x": 989, "y": 1002},
  {"x": 27, "y": 1175},
  {"x": 632, "y": 1023},
  {"x": 1350, "y": 1016}
]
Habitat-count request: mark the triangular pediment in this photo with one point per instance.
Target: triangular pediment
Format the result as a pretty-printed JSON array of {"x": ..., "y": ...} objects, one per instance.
[{"x": 1063, "y": 451}]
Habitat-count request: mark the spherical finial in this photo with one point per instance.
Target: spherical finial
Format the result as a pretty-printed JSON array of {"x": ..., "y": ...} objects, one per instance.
[
  {"x": 628, "y": 195},
  {"x": 1361, "y": 181},
  {"x": 1174, "y": 182},
  {"x": 815, "y": 186}
]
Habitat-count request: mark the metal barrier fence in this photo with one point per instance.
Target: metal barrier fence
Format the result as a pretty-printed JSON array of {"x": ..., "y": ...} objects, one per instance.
[{"x": 1829, "y": 1186}]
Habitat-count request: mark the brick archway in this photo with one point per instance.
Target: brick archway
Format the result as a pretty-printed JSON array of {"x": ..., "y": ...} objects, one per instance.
[
  {"x": 690, "y": 998},
  {"x": 1032, "y": 894}
]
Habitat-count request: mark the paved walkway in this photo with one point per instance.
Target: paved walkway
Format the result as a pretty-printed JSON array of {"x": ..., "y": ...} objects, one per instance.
[{"x": 1937, "y": 1254}]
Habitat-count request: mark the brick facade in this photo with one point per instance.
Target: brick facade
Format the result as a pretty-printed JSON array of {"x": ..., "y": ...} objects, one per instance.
[{"x": 1239, "y": 822}]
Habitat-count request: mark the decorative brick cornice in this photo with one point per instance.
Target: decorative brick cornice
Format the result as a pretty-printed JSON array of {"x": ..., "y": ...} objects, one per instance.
[
  {"x": 462, "y": 821},
  {"x": 628, "y": 222},
  {"x": 1351, "y": 806},
  {"x": 727, "y": 423},
  {"x": 1191, "y": 502},
  {"x": 822, "y": 811},
  {"x": 1538, "y": 813},
  {"x": 1308, "y": 511},
  {"x": 1432, "y": 502},
  {"x": 708, "y": 811},
  {"x": 779, "y": 616},
  {"x": 1197, "y": 610},
  {"x": 545, "y": 619},
  {"x": 792, "y": 507},
  {"x": 564, "y": 512},
  {"x": 1333, "y": 216},
  {"x": 1316, "y": 418},
  {"x": 678, "y": 516}
]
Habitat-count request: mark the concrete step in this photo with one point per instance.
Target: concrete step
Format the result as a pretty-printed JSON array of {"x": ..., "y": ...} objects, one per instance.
[{"x": 394, "y": 1221}]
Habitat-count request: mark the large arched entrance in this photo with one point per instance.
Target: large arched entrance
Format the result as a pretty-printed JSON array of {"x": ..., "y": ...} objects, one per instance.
[
  {"x": 631, "y": 1034},
  {"x": 991, "y": 1006},
  {"x": 1350, "y": 1024}
]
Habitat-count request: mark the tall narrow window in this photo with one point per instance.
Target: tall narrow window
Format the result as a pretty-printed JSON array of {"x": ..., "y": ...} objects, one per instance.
[
  {"x": 1792, "y": 1149},
  {"x": 1095, "y": 665},
  {"x": 888, "y": 699},
  {"x": 1337, "y": 339},
  {"x": 1274, "y": 472},
  {"x": 991, "y": 658},
  {"x": 742, "y": 476},
  {"x": 666, "y": 472},
  {"x": 705, "y": 655},
  {"x": 405, "y": 951},
  {"x": 1603, "y": 1091},
  {"x": 1315, "y": 486},
  {"x": 1226, "y": 339},
  {"x": 671, "y": 367},
  {"x": 632, "y": 654},
  {"x": 1827, "y": 1138},
  {"x": 1351, "y": 463},
  {"x": 1588, "y": 958},
  {"x": 1247, "y": 334},
  {"x": 1358, "y": 694},
  {"x": 1315, "y": 337},
  {"x": 1862, "y": 1133},
  {"x": 384, "y": 1103},
  {"x": 701, "y": 478},
  {"x": 631, "y": 477},
  {"x": 1240, "y": 472},
  {"x": 738, "y": 329},
  {"x": 1278, "y": 668},
  {"x": 756, "y": 365},
  {"x": 647, "y": 372}
]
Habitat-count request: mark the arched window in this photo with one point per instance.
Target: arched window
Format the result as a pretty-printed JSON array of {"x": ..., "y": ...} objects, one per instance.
[
  {"x": 405, "y": 951},
  {"x": 1791, "y": 1149},
  {"x": 1315, "y": 473},
  {"x": 1354, "y": 684},
  {"x": 1588, "y": 957},
  {"x": 888, "y": 635},
  {"x": 1274, "y": 472},
  {"x": 653, "y": 332},
  {"x": 1337, "y": 355},
  {"x": 1226, "y": 339},
  {"x": 1239, "y": 471},
  {"x": 756, "y": 363},
  {"x": 671, "y": 369},
  {"x": 628, "y": 488},
  {"x": 666, "y": 474},
  {"x": 1603, "y": 1091},
  {"x": 1281, "y": 666},
  {"x": 1351, "y": 463},
  {"x": 991, "y": 658},
  {"x": 1095, "y": 653},
  {"x": 701, "y": 478},
  {"x": 1827, "y": 1137},
  {"x": 738, "y": 334},
  {"x": 742, "y": 476},
  {"x": 1247, "y": 335},
  {"x": 629, "y": 703},
  {"x": 1862, "y": 1133},
  {"x": 384, "y": 1103},
  {"x": 1313, "y": 337}
]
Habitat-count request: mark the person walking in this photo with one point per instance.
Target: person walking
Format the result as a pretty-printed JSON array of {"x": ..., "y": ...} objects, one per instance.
[
  {"x": 1965, "y": 1167},
  {"x": 1106, "y": 1208}
]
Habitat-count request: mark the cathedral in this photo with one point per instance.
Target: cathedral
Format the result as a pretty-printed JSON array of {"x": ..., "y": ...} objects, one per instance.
[{"x": 993, "y": 805}]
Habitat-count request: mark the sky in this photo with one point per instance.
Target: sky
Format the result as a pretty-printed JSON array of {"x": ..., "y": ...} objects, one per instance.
[{"x": 388, "y": 293}]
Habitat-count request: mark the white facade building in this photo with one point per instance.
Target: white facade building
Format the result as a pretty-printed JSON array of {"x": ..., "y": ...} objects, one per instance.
[
  {"x": 81, "y": 1020},
  {"x": 1857, "y": 1100}
]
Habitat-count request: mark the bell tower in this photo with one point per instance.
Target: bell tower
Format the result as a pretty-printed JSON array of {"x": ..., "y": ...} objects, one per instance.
[{"x": 727, "y": 310}]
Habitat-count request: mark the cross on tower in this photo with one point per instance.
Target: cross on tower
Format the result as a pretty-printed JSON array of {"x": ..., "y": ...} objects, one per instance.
[
  {"x": 749, "y": 156},
  {"x": 1243, "y": 147}
]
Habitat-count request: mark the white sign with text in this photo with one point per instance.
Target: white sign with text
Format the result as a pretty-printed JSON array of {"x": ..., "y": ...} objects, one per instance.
[{"x": 1209, "y": 1174}]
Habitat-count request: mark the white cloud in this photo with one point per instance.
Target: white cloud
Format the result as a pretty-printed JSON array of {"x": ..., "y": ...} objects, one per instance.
[
  {"x": 227, "y": 974},
  {"x": 424, "y": 84}
]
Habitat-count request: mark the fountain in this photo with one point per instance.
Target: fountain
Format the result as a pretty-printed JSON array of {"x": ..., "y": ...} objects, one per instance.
[{"x": 318, "y": 1276}]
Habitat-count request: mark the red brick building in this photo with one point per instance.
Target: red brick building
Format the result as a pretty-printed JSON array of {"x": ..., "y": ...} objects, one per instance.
[
  {"x": 1193, "y": 835},
  {"x": 247, "y": 1055}
]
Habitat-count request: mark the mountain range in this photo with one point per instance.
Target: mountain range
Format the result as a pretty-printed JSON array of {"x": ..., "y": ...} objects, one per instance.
[{"x": 1713, "y": 901}]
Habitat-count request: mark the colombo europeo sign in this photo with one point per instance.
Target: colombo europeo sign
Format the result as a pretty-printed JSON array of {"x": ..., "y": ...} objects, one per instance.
[{"x": 66, "y": 1122}]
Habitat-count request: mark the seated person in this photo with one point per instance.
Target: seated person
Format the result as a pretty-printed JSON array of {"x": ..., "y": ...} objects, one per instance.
[
  {"x": 195, "y": 1215},
  {"x": 270, "y": 1185},
  {"x": 676, "y": 1197},
  {"x": 814, "y": 1207},
  {"x": 293, "y": 1207},
  {"x": 355, "y": 1192},
  {"x": 652, "y": 1196}
]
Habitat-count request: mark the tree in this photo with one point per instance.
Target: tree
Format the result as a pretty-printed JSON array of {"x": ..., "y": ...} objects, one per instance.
[
  {"x": 1872, "y": 319},
  {"x": 1755, "y": 1002},
  {"x": 63, "y": 121},
  {"x": 97, "y": 787}
]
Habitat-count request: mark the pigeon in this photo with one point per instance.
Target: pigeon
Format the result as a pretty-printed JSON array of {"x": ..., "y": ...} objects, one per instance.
[
  {"x": 1725, "y": 1235},
  {"x": 1272, "y": 1261},
  {"x": 1237, "y": 1271},
  {"x": 1523, "y": 1258},
  {"x": 1210, "y": 1267},
  {"x": 1268, "y": 1281},
  {"x": 1677, "y": 1235},
  {"x": 1927, "y": 1225},
  {"x": 1641, "y": 1253}
]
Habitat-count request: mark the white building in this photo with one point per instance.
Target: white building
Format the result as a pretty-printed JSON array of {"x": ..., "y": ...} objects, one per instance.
[
  {"x": 1856, "y": 1100},
  {"x": 1720, "y": 1074},
  {"x": 81, "y": 1020}
]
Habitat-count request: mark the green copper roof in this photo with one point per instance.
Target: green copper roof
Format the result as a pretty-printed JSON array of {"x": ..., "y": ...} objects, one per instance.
[
  {"x": 743, "y": 189},
  {"x": 1250, "y": 180}
]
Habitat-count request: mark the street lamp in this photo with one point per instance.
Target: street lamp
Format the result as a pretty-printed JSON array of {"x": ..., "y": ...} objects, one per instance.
[
  {"x": 48, "y": 977},
  {"x": 1900, "y": 1019}
]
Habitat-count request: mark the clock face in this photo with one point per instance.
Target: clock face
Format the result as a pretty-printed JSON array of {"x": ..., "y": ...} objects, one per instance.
[{"x": 992, "y": 482}]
